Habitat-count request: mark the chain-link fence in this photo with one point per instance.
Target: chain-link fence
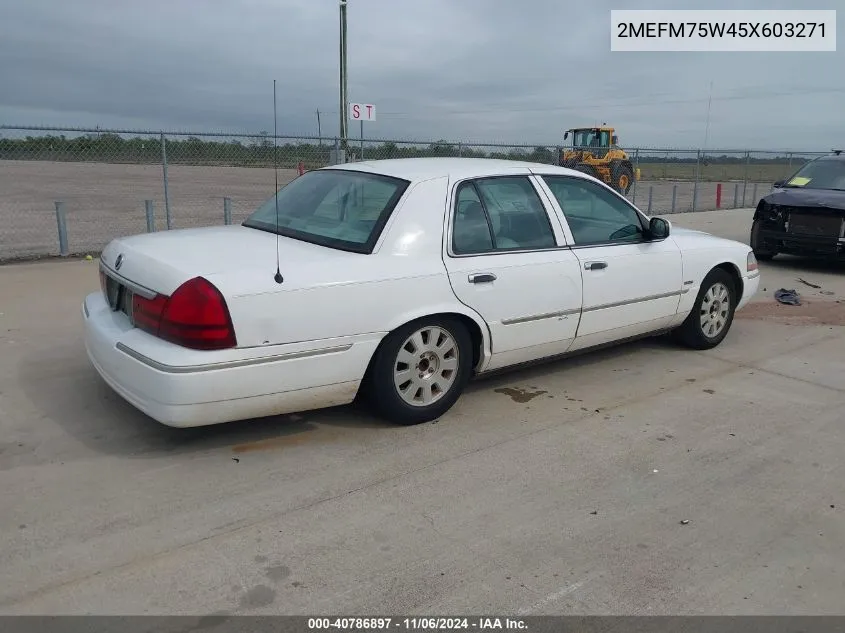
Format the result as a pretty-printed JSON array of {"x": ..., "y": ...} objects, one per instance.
[{"x": 70, "y": 191}]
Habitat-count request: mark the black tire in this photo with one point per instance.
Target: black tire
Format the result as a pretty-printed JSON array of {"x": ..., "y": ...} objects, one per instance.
[
  {"x": 622, "y": 177},
  {"x": 589, "y": 170},
  {"x": 759, "y": 252},
  {"x": 691, "y": 332},
  {"x": 384, "y": 395}
]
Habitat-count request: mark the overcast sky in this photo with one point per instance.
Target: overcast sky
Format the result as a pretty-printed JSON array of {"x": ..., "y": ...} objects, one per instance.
[{"x": 471, "y": 70}]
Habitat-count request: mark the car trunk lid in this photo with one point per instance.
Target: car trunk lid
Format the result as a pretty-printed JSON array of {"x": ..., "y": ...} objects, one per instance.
[{"x": 161, "y": 262}]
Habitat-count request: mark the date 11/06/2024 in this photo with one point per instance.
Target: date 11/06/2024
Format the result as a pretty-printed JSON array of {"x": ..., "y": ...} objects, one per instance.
[{"x": 416, "y": 624}]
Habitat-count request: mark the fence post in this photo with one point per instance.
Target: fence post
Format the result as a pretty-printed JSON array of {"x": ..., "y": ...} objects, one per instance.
[
  {"x": 674, "y": 196},
  {"x": 789, "y": 163},
  {"x": 149, "y": 210},
  {"x": 636, "y": 167},
  {"x": 697, "y": 176},
  {"x": 227, "y": 211},
  {"x": 754, "y": 195},
  {"x": 164, "y": 174},
  {"x": 650, "y": 195},
  {"x": 362, "y": 139},
  {"x": 61, "y": 225},
  {"x": 736, "y": 195},
  {"x": 336, "y": 160},
  {"x": 719, "y": 195},
  {"x": 745, "y": 177}
]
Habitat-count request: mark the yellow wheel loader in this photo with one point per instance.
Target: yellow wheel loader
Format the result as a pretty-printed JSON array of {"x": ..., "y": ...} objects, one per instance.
[{"x": 595, "y": 151}]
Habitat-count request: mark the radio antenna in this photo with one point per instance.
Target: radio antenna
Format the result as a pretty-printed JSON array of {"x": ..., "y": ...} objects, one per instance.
[{"x": 278, "y": 276}]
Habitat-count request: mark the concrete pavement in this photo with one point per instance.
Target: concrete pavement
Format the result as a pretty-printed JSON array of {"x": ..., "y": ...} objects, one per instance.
[{"x": 557, "y": 490}]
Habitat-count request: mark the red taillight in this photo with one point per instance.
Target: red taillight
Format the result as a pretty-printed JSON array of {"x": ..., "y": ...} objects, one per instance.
[{"x": 195, "y": 316}]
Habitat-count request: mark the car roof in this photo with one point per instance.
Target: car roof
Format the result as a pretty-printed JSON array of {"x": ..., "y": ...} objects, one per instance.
[{"x": 416, "y": 169}]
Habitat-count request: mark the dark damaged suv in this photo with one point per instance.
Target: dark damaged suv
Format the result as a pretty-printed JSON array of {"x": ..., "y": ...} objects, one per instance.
[{"x": 804, "y": 214}]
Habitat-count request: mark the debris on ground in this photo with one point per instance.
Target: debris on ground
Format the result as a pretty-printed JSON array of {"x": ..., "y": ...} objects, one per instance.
[
  {"x": 826, "y": 292},
  {"x": 236, "y": 460},
  {"x": 594, "y": 512},
  {"x": 788, "y": 297},
  {"x": 807, "y": 283},
  {"x": 685, "y": 522}
]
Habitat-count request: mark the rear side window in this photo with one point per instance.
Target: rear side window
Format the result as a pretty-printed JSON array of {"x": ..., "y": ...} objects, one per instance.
[{"x": 500, "y": 214}]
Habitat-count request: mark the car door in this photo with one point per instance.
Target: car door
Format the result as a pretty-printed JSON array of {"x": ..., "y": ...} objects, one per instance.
[
  {"x": 507, "y": 258},
  {"x": 631, "y": 285}
]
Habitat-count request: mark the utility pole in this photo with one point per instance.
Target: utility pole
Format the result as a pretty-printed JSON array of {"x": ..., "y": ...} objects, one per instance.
[
  {"x": 319, "y": 129},
  {"x": 707, "y": 124},
  {"x": 706, "y": 138},
  {"x": 344, "y": 96}
]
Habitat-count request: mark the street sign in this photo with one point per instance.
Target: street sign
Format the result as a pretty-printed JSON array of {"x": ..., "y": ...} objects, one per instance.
[{"x": 362, "y": 112}]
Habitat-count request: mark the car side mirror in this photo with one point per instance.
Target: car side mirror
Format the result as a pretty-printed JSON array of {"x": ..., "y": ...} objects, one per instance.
[
  {"x": 658, "y": 228},
  {"x": 615, "y": 140},
  {"x": 565, "y": 135},
  {"x": 777, "y": 184}
]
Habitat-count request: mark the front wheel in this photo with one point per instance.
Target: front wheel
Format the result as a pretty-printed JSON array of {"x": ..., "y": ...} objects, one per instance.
[
  {"x": 420, "y": 370},
  {"x": 712, "y": 315},
  {"x": 588, "y": 169},
  {"x": 757, "y": 244}
]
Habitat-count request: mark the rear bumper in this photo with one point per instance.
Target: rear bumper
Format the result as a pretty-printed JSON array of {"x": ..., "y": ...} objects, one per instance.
[{"x": 229, "y": 385}]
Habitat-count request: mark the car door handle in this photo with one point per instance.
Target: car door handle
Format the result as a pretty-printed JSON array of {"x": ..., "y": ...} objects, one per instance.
[
  {"x": 595, "y": 265},
  {"x": 482, "y": 278}
]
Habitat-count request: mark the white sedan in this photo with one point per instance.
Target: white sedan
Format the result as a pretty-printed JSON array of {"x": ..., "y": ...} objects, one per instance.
[{"x": 398, "y": 281}]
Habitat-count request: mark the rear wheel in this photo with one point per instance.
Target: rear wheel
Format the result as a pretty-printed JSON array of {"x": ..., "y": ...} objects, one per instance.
[
  {"x": 420, "y": 370},
  {"x": 760, "y": 252},
  {"x": 622, "y": 177},
  {"x": 712, "y": 315}
]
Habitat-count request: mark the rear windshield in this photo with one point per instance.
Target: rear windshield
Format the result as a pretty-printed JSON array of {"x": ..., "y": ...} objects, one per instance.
[
  {"x": 338, "y": 208},
  {"x": 824, "y": 173}
]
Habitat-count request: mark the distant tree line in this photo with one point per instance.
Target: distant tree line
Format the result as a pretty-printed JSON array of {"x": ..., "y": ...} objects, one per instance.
[{"x": 259, "y": 152}]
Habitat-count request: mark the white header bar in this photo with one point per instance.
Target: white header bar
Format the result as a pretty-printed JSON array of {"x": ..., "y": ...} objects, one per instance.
[{"x": 723, "y": 30}]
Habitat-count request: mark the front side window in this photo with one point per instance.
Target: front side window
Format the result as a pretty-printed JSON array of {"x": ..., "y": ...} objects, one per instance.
[
  {"x": 825, "y": 173},
  {"x": 337, "y": 208},
  {"x": 594, "y": 214},
  {"x": 500, "y": 214}
]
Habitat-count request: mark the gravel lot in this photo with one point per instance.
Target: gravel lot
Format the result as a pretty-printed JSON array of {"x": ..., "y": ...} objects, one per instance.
[
  {"x": 644, "y": 479},
  {"x": 104, "y": 201}
]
